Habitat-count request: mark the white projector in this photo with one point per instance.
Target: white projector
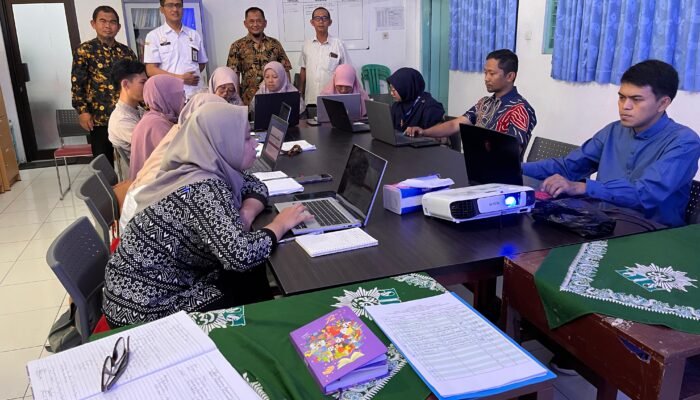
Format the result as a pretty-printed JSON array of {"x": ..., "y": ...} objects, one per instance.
[{"x": 478, "y": 202}]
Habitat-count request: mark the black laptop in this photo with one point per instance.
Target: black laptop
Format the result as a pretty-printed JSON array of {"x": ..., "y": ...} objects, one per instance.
[
  {"x": 380, "y": 120},
  {"x": 490, "y": 156},
  {"x": 272, "y": 147},
  {"x": 340, "y": 119},
  {"x": 269, "y": 104}
]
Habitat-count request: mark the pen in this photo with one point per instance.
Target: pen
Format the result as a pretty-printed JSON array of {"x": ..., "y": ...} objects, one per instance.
[{"x": 293, "y": 238}]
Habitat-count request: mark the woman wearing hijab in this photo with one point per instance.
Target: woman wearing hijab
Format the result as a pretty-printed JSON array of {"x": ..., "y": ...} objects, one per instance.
[
  {"x": 165, "y": 97},
  {"x": 275, "y": 80},
  {"x": 345, "y": 81},
  {"x": 150, "y": 168},
  {"x": 413, "y": 106},
  {"x": 189, "y": 246},
  {"x": 224, "y": 83}
]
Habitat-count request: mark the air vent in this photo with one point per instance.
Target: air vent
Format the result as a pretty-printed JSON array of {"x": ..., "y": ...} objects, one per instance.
[{"x": 463, "y": 209}]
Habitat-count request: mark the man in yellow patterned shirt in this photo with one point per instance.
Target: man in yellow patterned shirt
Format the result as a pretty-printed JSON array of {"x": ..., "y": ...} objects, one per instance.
[{"x": 94, "y": 95}]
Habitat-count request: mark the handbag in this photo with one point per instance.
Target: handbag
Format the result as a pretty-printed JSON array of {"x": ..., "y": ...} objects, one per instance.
[
  {"x": 64, "y": 334},
  {"x": 575, "y": 215}
]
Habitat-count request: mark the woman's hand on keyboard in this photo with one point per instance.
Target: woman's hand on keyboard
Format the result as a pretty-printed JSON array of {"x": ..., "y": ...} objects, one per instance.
[{"x": 288, "y": 219}]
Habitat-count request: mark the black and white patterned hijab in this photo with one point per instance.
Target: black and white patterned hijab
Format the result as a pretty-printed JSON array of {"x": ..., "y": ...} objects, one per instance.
[{"x": 210, "y": 144}]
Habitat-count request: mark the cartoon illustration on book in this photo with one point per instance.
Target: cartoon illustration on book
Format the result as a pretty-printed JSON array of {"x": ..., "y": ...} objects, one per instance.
[{"x": 338, "y": 343}]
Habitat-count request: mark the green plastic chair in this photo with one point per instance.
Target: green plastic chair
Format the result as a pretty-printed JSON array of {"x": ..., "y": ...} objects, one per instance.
[{"x": 373, "y": 74}]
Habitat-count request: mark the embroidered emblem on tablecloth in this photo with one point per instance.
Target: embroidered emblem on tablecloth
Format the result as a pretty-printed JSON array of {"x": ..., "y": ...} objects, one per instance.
[{"x": 654, "y": 278}]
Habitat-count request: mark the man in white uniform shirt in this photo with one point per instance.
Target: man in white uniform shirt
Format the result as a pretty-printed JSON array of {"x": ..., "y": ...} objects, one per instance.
[
  {"x": 319, "y": 57},
  {"x": 175, "y": 49}
]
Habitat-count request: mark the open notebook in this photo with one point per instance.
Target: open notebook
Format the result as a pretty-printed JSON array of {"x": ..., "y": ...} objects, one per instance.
[
  {"x": 165, "y": 358},
  {"x": 335, "y": 242}
]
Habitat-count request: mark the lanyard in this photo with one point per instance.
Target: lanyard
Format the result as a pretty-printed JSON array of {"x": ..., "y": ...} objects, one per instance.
[{"x": 410, "y": 111}]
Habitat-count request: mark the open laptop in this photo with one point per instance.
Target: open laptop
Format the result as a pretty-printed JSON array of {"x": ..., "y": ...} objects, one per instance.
[
  {"x": 351, "y": 101},
  {"x": 340, "y": 119},
  {"x": 276, "y": 132},
  {"x": 383, "y": 127},
  {"x": 490, "y": 156},
  {"x": 268, "y": 104},
  {"x": 352, "y": 204},
  {"x": 285, "y": 111}
]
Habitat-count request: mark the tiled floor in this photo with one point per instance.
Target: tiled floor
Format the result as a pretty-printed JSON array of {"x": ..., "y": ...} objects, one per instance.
[
  {"x": 31, "y": 298},
  {"x": 31, "y": 216}
]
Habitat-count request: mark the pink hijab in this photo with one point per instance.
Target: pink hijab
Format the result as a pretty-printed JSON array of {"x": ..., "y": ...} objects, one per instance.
[
  {"x": 284, "y": 86},
  {"x": 222, "y": 76},
  {"x": 165, "y": 97},
  {"x": 345, "y": 75},
  {"x": 152, "y": 165}
]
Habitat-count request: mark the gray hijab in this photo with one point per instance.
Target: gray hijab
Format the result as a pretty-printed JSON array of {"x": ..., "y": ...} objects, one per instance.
[{"x": 211, "y": 144}]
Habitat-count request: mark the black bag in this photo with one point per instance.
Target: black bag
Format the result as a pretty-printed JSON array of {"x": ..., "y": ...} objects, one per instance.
[
  {"x": 575, "y": 215},
  {"x": 64, "y": 334}
]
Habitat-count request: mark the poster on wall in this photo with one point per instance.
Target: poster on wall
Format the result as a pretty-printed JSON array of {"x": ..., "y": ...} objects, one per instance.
[{"x": 350, "y": 22}]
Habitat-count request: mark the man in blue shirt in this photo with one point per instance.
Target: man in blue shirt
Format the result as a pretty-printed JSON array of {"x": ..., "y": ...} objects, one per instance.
[{"x": 645, "y": 161}]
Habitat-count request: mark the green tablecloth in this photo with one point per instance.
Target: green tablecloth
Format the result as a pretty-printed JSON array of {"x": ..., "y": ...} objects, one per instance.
[
  {"x": 650, "y": 278},
  {"x": 255, "y": 339}
]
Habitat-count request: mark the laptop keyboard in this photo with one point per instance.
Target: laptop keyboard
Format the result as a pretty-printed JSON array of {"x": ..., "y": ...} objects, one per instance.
[
  {"x": 325, "y": 213},
  {"x": 258, "y": 166}
]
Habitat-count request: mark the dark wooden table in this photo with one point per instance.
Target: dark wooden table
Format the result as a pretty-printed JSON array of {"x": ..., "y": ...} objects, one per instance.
[
  {"x": 452, "y": 253},
  {"x": 643, "y": 361}
]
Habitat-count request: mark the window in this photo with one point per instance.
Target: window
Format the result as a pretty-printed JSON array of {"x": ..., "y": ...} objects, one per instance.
[{"x": 550, "y": 20}]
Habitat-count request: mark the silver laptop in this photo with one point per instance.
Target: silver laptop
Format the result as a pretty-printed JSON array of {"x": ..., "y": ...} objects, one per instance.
[
  {"x": 352, "y": 204},
  {"x": 351, "y": 101},
  {"x": 276, "y": 132},
  {"x": 380, "y": 120}
]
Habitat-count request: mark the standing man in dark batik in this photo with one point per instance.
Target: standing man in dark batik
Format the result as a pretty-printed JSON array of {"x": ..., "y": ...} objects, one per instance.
[
  {"x": 94, "y": 95},
  {"x": 249, "y": 54},
  {"x": 505, "y": 111}
]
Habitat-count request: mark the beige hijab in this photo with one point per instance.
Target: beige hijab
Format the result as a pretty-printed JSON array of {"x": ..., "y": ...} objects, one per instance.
[
  {"x": 222, "y": 76},
  {"x": 211, "y": 144},
  {"x": 150, "y": 168}
]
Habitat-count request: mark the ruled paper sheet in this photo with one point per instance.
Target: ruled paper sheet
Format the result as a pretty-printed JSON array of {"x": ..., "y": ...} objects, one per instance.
[
  {"x": 158, "y": 349},
  {"x": 452, "y": 346}
]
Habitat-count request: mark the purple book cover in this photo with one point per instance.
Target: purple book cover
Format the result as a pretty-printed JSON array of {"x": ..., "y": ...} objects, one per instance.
[{"x": 336, "y": 344}]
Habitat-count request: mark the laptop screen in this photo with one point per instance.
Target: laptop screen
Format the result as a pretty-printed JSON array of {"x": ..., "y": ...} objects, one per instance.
[
  {"x": 285, "y": 111},
  {"x": 268, "y": 104},
  {"x": 361, "y": 178},
  {"x": 275, "y": 137},
  {"x": 490, "y": 156}
]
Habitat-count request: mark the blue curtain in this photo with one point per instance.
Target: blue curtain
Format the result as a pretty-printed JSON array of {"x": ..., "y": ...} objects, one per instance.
[
  {"x": 597, "y": 40},
  {"x": 478, "y": 28}
]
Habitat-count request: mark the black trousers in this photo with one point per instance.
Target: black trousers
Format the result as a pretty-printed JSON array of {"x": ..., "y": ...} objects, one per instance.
[
  {"x": 241, "y": 288},
  {"x": 99, "y": 140}
]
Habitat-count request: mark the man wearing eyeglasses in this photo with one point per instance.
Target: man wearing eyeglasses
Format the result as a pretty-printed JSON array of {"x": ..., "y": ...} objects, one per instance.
[
  {"x": 93, "y": 95},
  {"x": 320, "y": 57},
  {"x": 175, "y": 49},
  {"x": 249, "y": 54}
]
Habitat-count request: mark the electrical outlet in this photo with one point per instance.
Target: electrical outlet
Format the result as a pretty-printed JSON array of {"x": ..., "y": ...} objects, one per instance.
[{"x": 385, "y": 35}]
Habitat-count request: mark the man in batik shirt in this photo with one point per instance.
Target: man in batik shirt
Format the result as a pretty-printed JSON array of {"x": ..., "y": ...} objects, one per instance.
[
  {"x": 505, "y": 111},
  {"x": 93, "y": 93},
  {"x": 249, "y": 54}
]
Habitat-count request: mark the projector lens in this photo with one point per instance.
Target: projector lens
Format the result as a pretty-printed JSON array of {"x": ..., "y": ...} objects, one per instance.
[{"x": 510, "y": 201}]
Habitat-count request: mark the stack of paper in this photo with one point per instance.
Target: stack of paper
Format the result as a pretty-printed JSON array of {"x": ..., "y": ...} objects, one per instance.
[
  {"x": 335, "y": 242},
  {"x": 278, "y": 183},
  {"x": 454, "y": 349},
  {"x": 276, "y": 187},
  {"x": 266, "y": 176},
  {"x": 170, "y": 358},
  {"x": 305, "y": 146}
]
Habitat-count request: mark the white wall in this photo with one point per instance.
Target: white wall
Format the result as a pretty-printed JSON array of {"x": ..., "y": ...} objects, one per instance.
[
  {"x": 568, "y": 112},
  {"x": 223, "y": 24},
  {"x": 9, "y": 97}
]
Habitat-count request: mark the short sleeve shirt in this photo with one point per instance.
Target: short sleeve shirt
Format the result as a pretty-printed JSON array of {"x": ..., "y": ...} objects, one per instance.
[
  {"x": 176, "y": 52},
  {"x": 510, "y": 114},
  {"x": 320, "y": 61},
  {"x": 249, "y": 58}
]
